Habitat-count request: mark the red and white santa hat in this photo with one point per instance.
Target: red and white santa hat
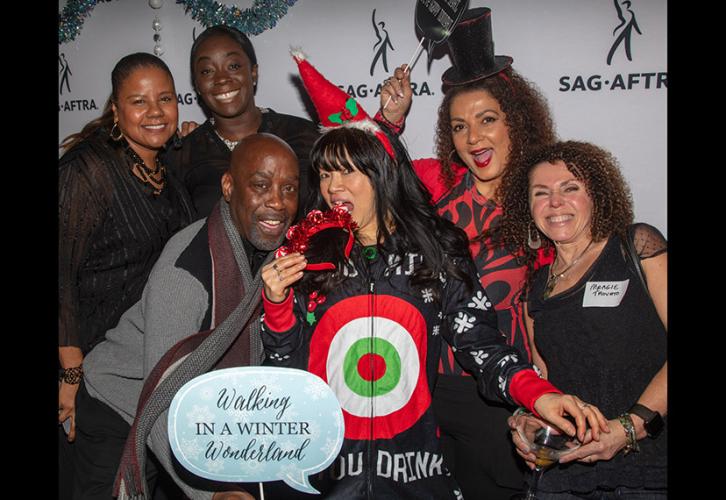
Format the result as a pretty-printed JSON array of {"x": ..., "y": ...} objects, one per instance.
[{"x": 336, "y": 108}]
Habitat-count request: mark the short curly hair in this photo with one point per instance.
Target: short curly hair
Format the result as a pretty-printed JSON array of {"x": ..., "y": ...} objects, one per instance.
[
  {"x": 528, "y": 118},
  {"x": 612, "y": 210}
]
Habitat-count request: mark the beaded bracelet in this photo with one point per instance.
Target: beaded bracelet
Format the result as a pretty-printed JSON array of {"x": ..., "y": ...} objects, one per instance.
[
  {"x": 72, "y": 376},
  {"x": 389, "y": 122},
  {"x": 631, "y": 442}
]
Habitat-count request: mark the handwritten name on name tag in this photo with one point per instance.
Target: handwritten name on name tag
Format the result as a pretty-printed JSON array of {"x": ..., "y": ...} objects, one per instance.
[{"x": 604, "y": 293}]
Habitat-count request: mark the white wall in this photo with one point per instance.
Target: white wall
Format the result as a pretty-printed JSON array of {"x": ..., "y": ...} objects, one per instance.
[{"x": 549, "y": 40}]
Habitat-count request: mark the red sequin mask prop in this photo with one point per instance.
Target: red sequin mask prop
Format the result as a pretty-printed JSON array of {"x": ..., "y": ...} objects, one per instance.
[{"x": 300, "y": 236}]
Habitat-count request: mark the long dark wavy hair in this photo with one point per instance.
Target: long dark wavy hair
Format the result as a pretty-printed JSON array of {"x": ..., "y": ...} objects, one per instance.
[
  {"x": 612, "y": 209},
  {"x": 123, "y": 69},
  {"x": 407, "y": 222},
  {"x": 528, "y": 119}
]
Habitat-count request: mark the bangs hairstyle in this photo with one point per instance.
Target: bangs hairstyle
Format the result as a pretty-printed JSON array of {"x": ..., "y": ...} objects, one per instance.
[{"x": 407, "y": 223}]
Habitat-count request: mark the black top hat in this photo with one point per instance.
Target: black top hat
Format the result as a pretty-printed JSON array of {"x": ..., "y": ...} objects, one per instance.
[{"x": 472, "y": 49}]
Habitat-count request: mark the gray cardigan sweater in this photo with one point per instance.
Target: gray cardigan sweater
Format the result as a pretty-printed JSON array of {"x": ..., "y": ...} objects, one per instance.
[{"x": 175, "y": 303}]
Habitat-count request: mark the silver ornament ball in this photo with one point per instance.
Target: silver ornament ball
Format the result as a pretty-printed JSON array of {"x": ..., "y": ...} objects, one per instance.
[
  {"x": 156, "y": 4},
  {"x": 158, "y": 50}
]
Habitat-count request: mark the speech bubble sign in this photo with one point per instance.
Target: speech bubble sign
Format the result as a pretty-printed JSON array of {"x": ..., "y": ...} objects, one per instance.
[
  {"x": 436, "y": 19},
  {"x": 256, "y": 424}
]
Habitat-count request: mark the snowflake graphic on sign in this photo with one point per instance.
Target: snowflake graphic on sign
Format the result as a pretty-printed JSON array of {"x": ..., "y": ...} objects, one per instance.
[
  {"x": 463, "y": 322},
  {"x": 329, "y": 446},
  {"x": 287, "y": 445},
  {"x": 317, "y": 391},
  {"x": 290, "y": 470},
  {"x": 254, "y": 465},
  {"x": 314, "y": 428},
  {"x": 193, "y": 447},
  {"x": 214, "y": 465},
  {"x": 480, "y": 301},
  {"x": 199, "y": 414}
]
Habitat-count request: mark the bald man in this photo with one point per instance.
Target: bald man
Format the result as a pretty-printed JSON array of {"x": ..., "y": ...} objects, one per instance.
[{"x": 200, "y": 277}]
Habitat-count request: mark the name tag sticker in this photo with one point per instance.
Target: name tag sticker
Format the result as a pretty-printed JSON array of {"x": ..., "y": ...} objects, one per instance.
[{"x": 604, "y": 293}]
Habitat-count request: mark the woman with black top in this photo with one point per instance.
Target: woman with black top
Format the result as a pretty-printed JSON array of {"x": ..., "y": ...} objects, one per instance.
[
  {"x": 597, "y": 315},
  {"x": 224, "y": 71},
  {"x": 117, "y": 208}
]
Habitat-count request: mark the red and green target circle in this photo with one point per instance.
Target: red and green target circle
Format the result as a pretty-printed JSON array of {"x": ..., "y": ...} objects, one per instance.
[
  {"x": 376, "y": 370},
  {"x": 372, "y": 353}
]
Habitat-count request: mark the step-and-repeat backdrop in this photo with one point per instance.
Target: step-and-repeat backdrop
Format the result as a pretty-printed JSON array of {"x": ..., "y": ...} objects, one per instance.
[{"x": 600, "y": 63}]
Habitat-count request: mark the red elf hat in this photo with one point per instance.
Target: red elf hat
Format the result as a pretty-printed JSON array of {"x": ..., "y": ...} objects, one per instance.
[{"x": 336, "y": 108}]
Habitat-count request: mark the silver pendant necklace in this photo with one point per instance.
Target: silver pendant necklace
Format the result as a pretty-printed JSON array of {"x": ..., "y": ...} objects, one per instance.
[
  {"x": 230, "y": 144},
  {"x": 555, "y": 277}
]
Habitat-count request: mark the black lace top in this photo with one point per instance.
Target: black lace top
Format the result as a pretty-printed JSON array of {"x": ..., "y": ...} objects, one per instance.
[
  {"x": 112, "y": 229},
  {"x": 606, "y": 351}
]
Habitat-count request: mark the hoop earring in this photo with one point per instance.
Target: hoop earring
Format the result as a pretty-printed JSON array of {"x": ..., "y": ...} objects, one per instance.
[
  {"x": 120, "y": 134},
  {"x": 536, "y": 242}
]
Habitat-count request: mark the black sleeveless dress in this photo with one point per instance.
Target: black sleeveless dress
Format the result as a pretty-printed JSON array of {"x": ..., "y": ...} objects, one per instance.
[{"x": 604, "y": 343}]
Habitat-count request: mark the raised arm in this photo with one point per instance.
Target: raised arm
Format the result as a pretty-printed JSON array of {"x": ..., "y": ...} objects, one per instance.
[{"x": 395, "y": 98}]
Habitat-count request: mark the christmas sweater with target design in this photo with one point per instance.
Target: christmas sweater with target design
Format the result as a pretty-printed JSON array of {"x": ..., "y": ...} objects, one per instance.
[{"x": 375, "y": 341}]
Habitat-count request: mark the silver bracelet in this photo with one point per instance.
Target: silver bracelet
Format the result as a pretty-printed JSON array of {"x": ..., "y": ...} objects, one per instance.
[{"x": 631, "y": 442}]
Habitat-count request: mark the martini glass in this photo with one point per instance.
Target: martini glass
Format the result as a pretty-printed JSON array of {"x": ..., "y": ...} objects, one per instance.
[{"x": 548, "y": 444}]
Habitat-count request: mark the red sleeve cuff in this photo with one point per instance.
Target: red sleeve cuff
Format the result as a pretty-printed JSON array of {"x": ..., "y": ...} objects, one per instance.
[
  {"x": 278, "y": 315},
  {"x": 396, "y": 127},
  {"x": 526, "y": 387}
]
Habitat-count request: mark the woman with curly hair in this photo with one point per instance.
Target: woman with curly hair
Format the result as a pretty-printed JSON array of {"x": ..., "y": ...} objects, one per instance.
[
  {"x": 490, "y": 117},
  {"x": 597, "y": 314}
]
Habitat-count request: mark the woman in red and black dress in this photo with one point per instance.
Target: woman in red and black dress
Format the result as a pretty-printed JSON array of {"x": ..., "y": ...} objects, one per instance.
[{"x": 489, "y": 119}]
